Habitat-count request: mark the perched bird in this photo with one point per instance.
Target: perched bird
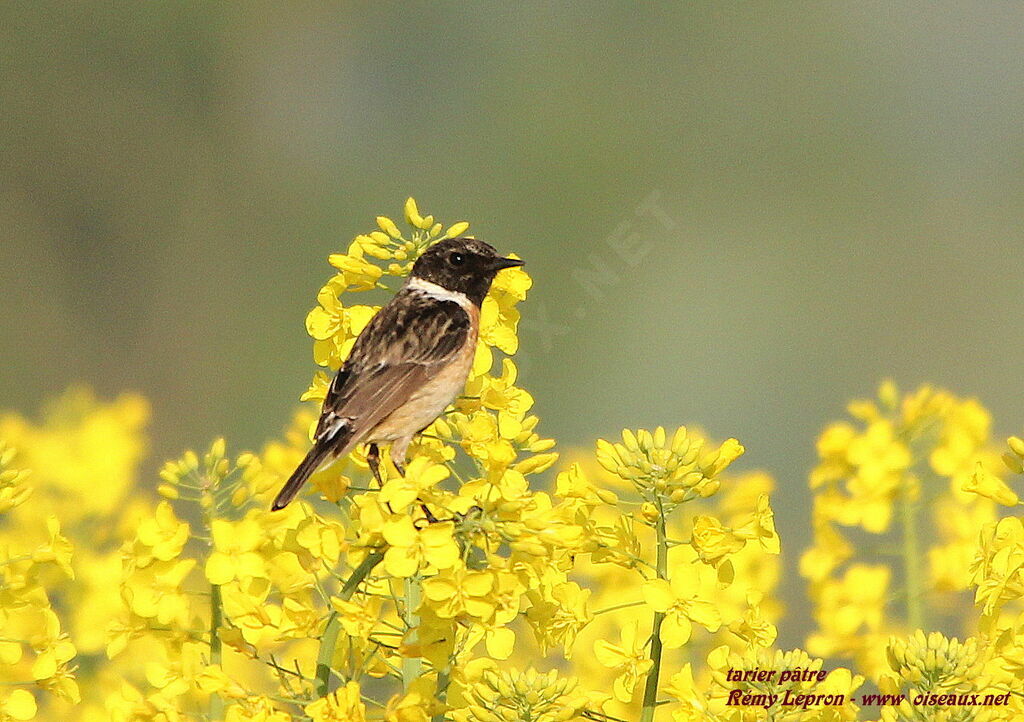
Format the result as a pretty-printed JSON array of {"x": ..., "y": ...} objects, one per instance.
[{"x": 410, "y": 361}]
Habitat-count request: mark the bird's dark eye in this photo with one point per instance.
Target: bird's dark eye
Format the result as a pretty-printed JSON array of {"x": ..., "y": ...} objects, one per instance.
[{"x": 456, "y": 259}]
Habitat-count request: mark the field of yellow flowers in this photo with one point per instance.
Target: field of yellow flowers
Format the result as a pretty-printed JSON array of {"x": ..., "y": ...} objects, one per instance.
[{"x": 633, "y": 582}]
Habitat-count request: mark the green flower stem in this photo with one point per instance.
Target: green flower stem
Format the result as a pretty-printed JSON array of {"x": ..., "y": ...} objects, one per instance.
[
  {"x": 617, "y": 607},
  {"x": 912, "y": 564},
  {"x": 411, "y": 666},
  {"x": 443, "y": 679},
  {"x": 329, "y": 638},
  {"x": 216, "y": 653},
  {"x": 650, "y": 702},
  {"x": 208, "y": 493}
]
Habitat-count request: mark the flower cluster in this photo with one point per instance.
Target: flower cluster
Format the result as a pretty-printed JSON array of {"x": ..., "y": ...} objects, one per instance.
[
  {"x": 873, "y": 569},
  {"x": 65, "y": 486},
  {"x": 932, "y": 667},
  {"x": 505, "y": 696},
  {"x": 997, "y": 576},
  {"x": 35, "y": 652},
  {"x": 492, "y": 581}
]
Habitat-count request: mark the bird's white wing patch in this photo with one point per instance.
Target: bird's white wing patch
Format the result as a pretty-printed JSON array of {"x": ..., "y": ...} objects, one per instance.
[{"x": 331, "y": 426}]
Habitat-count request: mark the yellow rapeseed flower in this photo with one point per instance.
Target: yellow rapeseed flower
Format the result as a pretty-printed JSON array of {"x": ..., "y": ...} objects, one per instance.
[
  {"x": 627, "y": 659},
  {"x": 713, "y": 541},
  {"x": 985, "y": 483},
  {"x": 681, "y": 605},
  {"x": 343, "y": 705}
]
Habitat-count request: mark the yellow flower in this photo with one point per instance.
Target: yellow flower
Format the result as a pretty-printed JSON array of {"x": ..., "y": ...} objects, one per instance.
[
  {"x": 458, "y": 591},
  {"x": 499, "y": 317},
  {"x": 558, "y": 615},
  {"x": 511, "y": 284},
  {"x": 410, "y": 548},
  {"x": 358, "y": 618},
  {"x": 420, "y": 475},
  {"x": 328, "y": 318},
  {"x": 160, "y": 536},
  {"x": 628, "y": 660},
  {"x": 342, "y": 705},
  {"x": 245, "y": 604},
  {"x": 693, "y": 703},
  {"x": 850, "y": 610},
  {"x": 255, "y": 709},
  {"x": 1014, "y": 456},
  {"x": 574, "y": 484},
  {"x": 713, "y": 541},
  {"x": 317, "y": 542},
  {"x": 879, "y": 460},
  {"x": 984, "y": 483},
  {"x": 409, "y": 707},
  {"x": 13, "y": 490},
  {"x": 753, "y": 626},
  {"x": 482, "y": 439},
  {"x": 327, "y": 325},
  {"x": 57, "y": 549},
  {"x": 956, "y": 527},
  {"x": 49, "y": 661},
  {"x": 522, "y": 697},
  {"x": 213, "y": 679},
  {"x": 830, "y": 548},
  {"x": 998, "y": 567},
  {"x": 18, "y": 704},
  {"x": 619, "y": 544},
  {"x": 234, "y": 555},
  {"x": 681, "y": 605},
  {"x": 761, "y": 527},
  {"x": 81, "y": 445},
  {"x": 388, "y": 226},
  {"x": 154, "y": 591}
]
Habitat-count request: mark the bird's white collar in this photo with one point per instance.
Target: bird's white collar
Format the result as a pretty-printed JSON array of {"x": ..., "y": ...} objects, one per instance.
[{"x": 439, "y": 292}]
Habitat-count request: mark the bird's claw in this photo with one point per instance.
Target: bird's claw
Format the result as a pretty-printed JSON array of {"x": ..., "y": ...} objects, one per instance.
[{"x": 373, "y": 459}]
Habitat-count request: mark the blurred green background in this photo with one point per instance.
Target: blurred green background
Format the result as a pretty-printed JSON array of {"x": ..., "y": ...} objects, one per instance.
[{"x": 737, "y": 216}]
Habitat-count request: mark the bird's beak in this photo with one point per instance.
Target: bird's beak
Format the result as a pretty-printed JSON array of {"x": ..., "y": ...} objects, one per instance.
[{"x": 499, "y": 263}]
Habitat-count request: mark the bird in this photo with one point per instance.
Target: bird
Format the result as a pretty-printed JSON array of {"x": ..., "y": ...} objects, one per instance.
[{"x": 409, "y": 363}]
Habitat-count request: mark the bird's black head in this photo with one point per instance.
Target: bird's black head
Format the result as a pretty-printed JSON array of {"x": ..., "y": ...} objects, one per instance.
[{"x": 462, "y": 265}]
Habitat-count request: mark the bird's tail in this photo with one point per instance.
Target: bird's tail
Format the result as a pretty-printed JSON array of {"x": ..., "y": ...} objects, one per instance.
[{"x": 311, "y": 463}]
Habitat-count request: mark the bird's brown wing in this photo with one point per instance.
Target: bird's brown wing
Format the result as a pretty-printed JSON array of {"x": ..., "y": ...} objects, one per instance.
[{"x": 403, "y": 346}]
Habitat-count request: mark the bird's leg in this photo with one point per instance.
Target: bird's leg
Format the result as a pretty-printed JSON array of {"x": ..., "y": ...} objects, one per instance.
[
  {"x": 398, "y": 449},
  {"x": 456, "y": 517},
  {"x": 373, "y": 459}
]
